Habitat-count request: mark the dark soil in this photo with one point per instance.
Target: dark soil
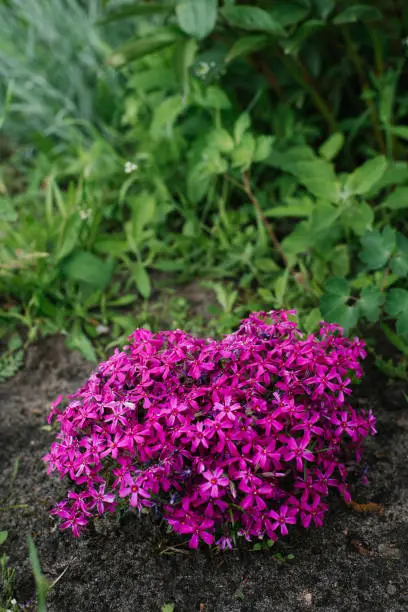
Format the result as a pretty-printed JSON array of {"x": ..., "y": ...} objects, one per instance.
[{"x": 357, "y": 562}]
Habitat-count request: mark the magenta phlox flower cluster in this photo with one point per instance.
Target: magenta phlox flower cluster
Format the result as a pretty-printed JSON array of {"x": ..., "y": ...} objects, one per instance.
[{"x": 241, "y": 437}]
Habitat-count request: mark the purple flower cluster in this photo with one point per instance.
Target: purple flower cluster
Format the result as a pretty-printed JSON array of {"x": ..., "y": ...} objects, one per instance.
[{"x": 238, "y": 437}]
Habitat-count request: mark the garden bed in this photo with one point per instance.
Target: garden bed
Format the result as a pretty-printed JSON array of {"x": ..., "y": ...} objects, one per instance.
[{"x": 357, "y": 561}]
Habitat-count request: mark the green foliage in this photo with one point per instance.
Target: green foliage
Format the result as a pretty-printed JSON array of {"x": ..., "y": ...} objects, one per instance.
[{"x": 201, "y": 139}]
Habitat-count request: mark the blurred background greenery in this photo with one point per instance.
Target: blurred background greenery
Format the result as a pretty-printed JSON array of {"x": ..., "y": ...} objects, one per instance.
[{"x": 180, "y": 163}]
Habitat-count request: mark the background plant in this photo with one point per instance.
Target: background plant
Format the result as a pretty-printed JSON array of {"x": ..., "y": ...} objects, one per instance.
[{"x": 235, "y": 150}]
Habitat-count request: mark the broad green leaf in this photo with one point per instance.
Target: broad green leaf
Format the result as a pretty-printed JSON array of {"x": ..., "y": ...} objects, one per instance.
[
  {"x": 358, "y": 12},
  {"x": 397, "y": 199},
  {"x": 243, "y": 154},
  {"x": 317, "y": 176},
  {"x": 396, "y": 305},
  {"x": 221, "y": 140},
  {"x": 263, "y": 147},
  {"x": 143, "y": 208},
  {"x": 141, "y": 279},
  {"x": 184, "y": 55},
  {"x": 198, "y": 182},
  {"x": 216, "y": 98},
  {"x": 400, "y": 130},
  {"x": 377, "y": 247},
  {"x": 252, "y": 18},
  {"x": 165, "y": 116},
  {"x": 3, "y": 537},
  {"x": 144, "y": 46},
  {"x": 288, "y": 12},
  {"x": 114, "y": 245},
  {"x": 246, "y": 45},
  {"x": 312, "y": 320},
  {"x": 197, "y": 17},
  {"x": 242, "y": 124},
  {"x": 340, "y": 261},
  {"x": 359, "y": 217},
  {"x": 363, "y": 178},
  {"x": 399, "y": 263},
  {"x": 77, "y": 340},
  {"x": 133, "y": 10},
  {"x": 395, "y": 174},
  {"x": 285, "y": 159},
  {"x": 371, "y": 300},
  {"x": 334, "y": 307},
  {"x": 302, "y": 207},
  {"x": 300, "y": 240},
  {"x": 332, "y": 146},
  {"x": 69, "y": 238},
  {"x": 85, "y": 267}
]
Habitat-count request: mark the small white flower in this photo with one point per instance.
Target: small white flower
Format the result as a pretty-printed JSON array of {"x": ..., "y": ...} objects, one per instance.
[
  {"x": 85, "y": 214},
  {"x": 130, "y": 167},
  {"x": 202, "y": 69}
]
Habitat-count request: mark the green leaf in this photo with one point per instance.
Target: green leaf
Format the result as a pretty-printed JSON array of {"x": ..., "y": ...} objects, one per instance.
[
  {"x": 312, "y": 320},
  {"x": 363, "y": 178},
  {"x": 377, "y": 247},
  {"x": 358, "y": 12},
  {"x": 197, "y": 17},
  {"x": 141, "y": 279},
  {"x": 77, "y": 340},
  {"x": 216, "y": 98},
  {"x": 371, "y": 300},
  {"x": 133, "y": 10},
  {"x": 340, "y": 261},
  {"x": 317, "y": 176},
  {"x": 165, "y": 115},
  {"x": 168, "y": 607},
  {"x": 395, "y": 339},
  {"x": 298, "y": 208},
  {"x": 294, "y": 44},
  {"x": 42, "y": 585},
  {"x": 359, "y": 217},
  {"x": 252, "y": 18},
  {"x": 263, "y": 146},
  {"x": 399, "y": 263},
  {"x": 400, "y": 130},
  {"x": 246, "y": 45},
  {"x": 3, "y": 537},
  {"x": 288, "y": 12},
  {"x": 332, "y": 146},
  {"x": 242, "y": 124},
  {"x": 221, "y": 140},
  {"x": 396, "y": 305},
  {"x": 184, "y": 56},
  {"x": 114, "y": 245},
  {"x": 144, "y": 46},
  {"x": 198, "y": 182},
  {"x": 85, "y": 267},
  {"x": 397, "y": 200},
  {"x": 143, "y": 208},
  {"x": 69, "y": 236},
  {"x": 334, "y": 307},
  {"x": 243, "y": 153}
]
